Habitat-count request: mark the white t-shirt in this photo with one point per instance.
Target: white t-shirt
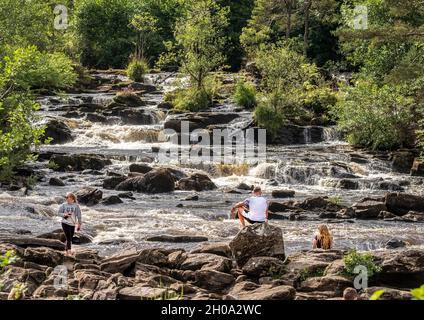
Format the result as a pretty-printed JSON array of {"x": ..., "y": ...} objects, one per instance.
[{"x": 257, "y": 208}]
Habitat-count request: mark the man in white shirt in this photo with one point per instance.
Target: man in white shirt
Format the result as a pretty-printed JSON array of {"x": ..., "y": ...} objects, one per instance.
[{"x": 253, "y": 209}]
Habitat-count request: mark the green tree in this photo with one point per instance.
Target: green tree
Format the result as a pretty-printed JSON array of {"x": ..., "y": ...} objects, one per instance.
[
  {"x": 200, "y": 40},
  {"x": 146, "y": 26},
  {"x": 103, "y": 31}
]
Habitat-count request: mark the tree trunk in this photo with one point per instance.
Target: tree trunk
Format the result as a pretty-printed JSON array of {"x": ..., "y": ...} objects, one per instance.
[
  {"x": 289, "y": 14},
  {"x": 307, "y": 8}
]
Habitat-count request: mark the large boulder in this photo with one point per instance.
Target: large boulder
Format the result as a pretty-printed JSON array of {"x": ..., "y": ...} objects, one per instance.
[
  {"x": 368, "y": 209},
  {"x": 218, "y": 248},
  {"x": 200, "y": 120},
  {"x": 258, "y": 240},
  {"x": 197, "y": 182},
  {"x": 58, "y": 131},
  {"x": 335, "y": 284},
  {"x": 206, "y": 261},
  {"x": 283, "y": 193},
  {"x": 89, "y": 196},
  {"x": 402, "y": 203},
  {"x": 418, "y": 167},
  {"x": 213, "y": 280},
  {"x": 156, "y": 181},
  {"x": 389, "y": 294},
  {"x": 319, "y": 203},
  {"x": 400, "y": 269},
  {"x": 402, "y": 161},
  {"x": 111, "y": 182},
  {"x": 128, "y": 98},
  {"x": 263, "y": 266},
  {"x": 30, "y": 277},
  {"x": 140, "y": 168},
  {"x": 121, "y": 262},
  {"x": 78, "y": 162},
  {"x": 246, "y": 290}
]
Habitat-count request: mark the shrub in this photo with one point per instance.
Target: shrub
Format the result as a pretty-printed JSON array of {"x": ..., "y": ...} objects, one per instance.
[
  {"x": 353, "y": 259},
  {"x": 267, "y": 114},
  {"x": 28, "y": 68},
  {"x": 192, "y": 100},
  {"x": 136, "y": 69},
  {"x": 8, "y": 258},
  {"x": 374, "y": 117},
  {"x": 245, "y": 94},
  {"x": 418, "y": 294}
]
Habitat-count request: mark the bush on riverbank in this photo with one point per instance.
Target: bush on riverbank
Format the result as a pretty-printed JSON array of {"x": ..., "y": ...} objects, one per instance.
[
  {"x": 245, "y": 94},
  {"x": 354, "y": 259},
  {"x": 136, "y": 69}
]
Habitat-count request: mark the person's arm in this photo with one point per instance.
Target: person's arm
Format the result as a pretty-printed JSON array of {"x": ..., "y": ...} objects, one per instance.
[
  {"x": 78, "y": 217},
  {"x": 61, "y": 212},
  {"x": 266, "y": 215},
  {"x": 314, "y": 243}
]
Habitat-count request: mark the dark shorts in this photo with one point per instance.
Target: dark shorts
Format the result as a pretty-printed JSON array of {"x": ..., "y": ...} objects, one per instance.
[{"x": 251, "y": 221}]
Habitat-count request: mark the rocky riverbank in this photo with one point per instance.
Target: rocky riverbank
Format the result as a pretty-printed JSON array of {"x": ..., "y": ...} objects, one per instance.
[{"x": 252, "y": 266}]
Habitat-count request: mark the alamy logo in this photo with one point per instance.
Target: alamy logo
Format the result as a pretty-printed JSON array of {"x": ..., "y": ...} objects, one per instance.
[
  {"x": 61, "y": 19},
  {"x": 360, "y": 20},
  {"x": 227, "y": 146}
]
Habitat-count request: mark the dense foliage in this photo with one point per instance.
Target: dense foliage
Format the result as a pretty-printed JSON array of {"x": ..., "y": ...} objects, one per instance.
[{"x": 315, "y": 64}]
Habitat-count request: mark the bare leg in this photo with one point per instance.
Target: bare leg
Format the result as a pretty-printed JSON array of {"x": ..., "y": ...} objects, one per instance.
[{"x": 241, "y": 217}]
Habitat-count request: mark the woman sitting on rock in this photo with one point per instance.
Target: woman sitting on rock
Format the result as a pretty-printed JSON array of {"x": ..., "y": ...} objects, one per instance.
[
  {"x": 70, "y": 213},
  {"x": 323, "y": 239}
]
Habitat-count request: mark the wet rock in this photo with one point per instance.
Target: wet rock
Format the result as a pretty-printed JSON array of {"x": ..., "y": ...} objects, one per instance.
[
  {"x": 30, "y": 277},
  {"x": 395, "y": 244},
  {"x": 402, "y": 161},
  {"x": 142, "y": 292},
  {"x": 219, "y": 248},
  {"x": 244, "y": 186},
  {"x": 138, "y": 86},
  {"x": 368, "y": 209},
  {"x": 206, "y": 261},
  {"x": 335, "y": 284},
  {"x": 413, "y": 216},
  {"x": 257, "y": 240},
  {"x": 283, "y": 193},
  {"x": 58, "y": 131},
  {"x": 111, "y": 182},
  {"x": 89, "y": 196},
  {"x": 177, "y": 238},
  {"x": 389, "y": 186},
  {"x": 389, "y": 294},
  {"x": 402, "y": 203},
  {"x": 199, "y": 120},
  {"x": 348, "y": 184},
  {"x": 213, "y": 280},
  {"x": 417, "y": 167},
  {"x": 192, "y": 198},
  {"x": 136, "y": 116},
  {"x": 129, "y": 99},
  {"x": 263, "y": 266},
  {"x": 140, "y": 168},
  {"x": 120, "y": 262},
  {"x": 56, "y": 182},
  {"x": 28, "y": 241},
  {"x": 386, "y": 215},
  {"x": 165, "y": 105},
  {"x": 278, "y": 207},
  {"x": 250, "y": 291},
  {"x": 293, "y": 134},
  {"x": 78, "y": 162},
  {"x": 400, "y": 269},
  {"x": 111, "y": 200},
  {"x": 126, "y": 195},
  {"x": 44, "y": 256},
  {"x": 302, "y": 265},
  {"x": 319, "y": 203},
  {"x": 197, "y": 182},
  {"x": 157, "y": 181},
  {"x": 94, "y": 117}
]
